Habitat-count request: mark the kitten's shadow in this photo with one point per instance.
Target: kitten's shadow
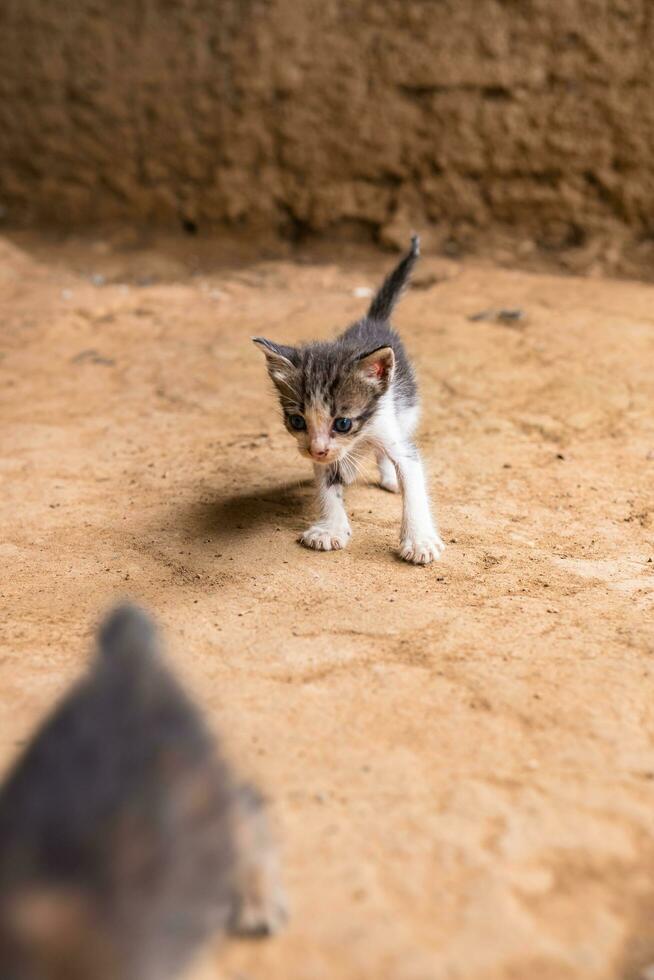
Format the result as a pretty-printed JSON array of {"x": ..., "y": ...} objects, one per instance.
[{"x": 231, "y": 517}]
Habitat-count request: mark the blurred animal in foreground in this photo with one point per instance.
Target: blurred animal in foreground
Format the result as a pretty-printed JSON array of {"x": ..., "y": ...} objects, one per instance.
[{"x": 125, "y": 840}]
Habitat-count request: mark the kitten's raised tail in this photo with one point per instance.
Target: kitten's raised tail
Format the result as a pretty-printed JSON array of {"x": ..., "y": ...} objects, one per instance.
[{"x": 394, "y": 283}]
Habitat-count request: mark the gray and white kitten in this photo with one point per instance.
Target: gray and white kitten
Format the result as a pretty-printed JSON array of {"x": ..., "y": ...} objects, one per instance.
[
  {"x": 357, "y": 394},
  {"x": 125, "y": 838}
]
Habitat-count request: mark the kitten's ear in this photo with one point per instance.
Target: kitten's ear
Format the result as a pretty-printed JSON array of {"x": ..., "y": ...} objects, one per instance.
[
  {"x": 377, "y": 367},
  {"x": 276, "y": 352},
  {"x": 282, "y": 363}
]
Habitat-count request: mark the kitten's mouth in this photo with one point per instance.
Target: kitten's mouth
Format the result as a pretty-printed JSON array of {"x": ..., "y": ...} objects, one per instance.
[{"x": 327, "y": 460}]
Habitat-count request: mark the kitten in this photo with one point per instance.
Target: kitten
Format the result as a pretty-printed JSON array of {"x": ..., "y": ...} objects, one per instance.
[
  {"x": 355, "y": 394},
  {"x": 125, "y": 840}
]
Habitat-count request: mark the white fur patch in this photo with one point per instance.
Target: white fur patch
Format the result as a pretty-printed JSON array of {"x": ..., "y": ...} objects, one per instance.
[{"x": 389, "y": 434}]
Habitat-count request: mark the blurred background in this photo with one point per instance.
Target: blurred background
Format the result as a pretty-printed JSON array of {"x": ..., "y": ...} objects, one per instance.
[
  {"x": 505, "y": 126},
  {"x": 460, "y": 760}
]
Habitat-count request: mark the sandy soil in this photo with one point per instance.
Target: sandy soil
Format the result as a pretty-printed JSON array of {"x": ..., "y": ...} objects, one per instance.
[{"x": 461, "y": 758}]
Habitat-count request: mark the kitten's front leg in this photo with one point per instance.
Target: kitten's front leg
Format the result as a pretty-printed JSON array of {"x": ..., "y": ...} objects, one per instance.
[
  {"x": 333, "y": 528},
  {"x": 420, "y": 542}
]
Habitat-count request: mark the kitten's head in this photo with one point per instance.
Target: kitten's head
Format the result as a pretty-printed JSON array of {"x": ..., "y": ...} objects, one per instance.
[{"x": 329, "y": 393}]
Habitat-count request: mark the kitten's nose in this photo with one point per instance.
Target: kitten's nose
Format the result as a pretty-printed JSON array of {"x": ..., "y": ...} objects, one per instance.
[{"x": 318, "y": 453}]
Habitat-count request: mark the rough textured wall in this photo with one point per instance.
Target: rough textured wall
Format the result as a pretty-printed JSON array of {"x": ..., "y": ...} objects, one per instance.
[{"x": 300, "y": 115}]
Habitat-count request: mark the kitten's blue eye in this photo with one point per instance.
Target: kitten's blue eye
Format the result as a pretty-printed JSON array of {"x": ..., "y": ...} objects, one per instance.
[
  {"x": 342, "y": 425},
  {"x": 297, "y": 422}
]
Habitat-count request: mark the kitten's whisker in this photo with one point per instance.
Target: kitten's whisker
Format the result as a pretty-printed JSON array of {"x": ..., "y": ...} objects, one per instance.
[
  {"x": 357, "y": 455},
  {"x": 345, "y": 466},
  {"x": 355, "y": 468},
  {"x": 352, "y": 469}
]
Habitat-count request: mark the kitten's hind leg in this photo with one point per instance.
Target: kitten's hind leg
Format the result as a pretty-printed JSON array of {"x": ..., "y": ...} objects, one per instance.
[
  {"x": 387, "y": 475},
  {"x": 332, "y": 531}
]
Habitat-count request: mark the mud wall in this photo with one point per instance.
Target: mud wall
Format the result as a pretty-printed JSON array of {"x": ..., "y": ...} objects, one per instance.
[{"x": 305, "y": 115}]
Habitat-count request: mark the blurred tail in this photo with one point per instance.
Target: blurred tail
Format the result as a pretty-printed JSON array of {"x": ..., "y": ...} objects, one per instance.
[
  {"x": 127, "y": 634},
  {"x": 394, "y": 283}
]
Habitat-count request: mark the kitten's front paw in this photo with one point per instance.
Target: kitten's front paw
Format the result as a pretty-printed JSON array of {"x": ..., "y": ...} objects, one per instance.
[
  {"x": 421, "y": 549},
  {"x": 323, "y": 538}
]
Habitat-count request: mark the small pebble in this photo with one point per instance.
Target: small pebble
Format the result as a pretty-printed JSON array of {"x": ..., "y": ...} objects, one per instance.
[{"x": 508, "y": 316}]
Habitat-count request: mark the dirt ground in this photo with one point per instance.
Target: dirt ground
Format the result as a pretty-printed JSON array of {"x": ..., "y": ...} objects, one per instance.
[{"x": 460, "y": 758}]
